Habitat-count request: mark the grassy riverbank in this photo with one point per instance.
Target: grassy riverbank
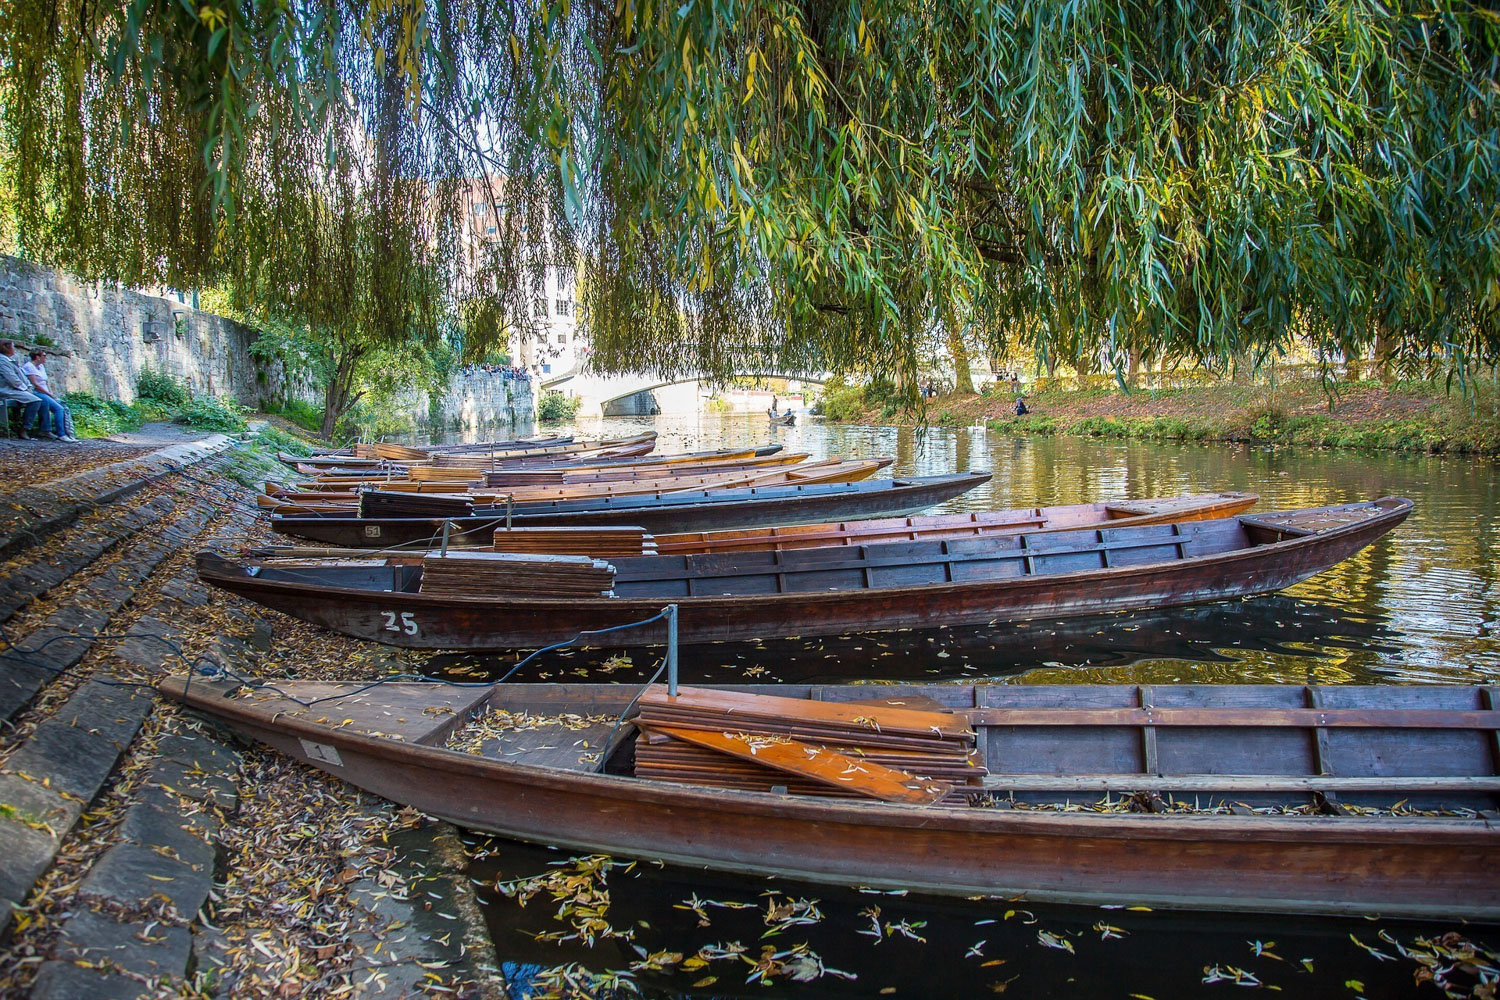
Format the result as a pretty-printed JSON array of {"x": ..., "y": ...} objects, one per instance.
[{"x": 1399, "y": 416}]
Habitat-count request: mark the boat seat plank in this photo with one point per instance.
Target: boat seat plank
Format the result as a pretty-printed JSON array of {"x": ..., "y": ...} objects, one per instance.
[
  {"x": 410, "y": 712},
  {"x": 818, "y": 764},
  {"x": 1239, "y": 783},
  {"x": 1333, "y": 718},
  {"x": 902, "y": 564}
]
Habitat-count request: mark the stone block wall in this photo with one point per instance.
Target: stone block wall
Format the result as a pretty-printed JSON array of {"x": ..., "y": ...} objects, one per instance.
[
  {"x": 476, "y": 399},
  {"x": 103, "y": 334}
]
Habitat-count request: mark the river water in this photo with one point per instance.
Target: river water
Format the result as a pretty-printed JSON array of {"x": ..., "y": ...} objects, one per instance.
[{"x": 1419, "y": 606}]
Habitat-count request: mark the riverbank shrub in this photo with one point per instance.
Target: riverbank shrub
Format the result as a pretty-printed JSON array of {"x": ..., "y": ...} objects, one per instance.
[
  {"x": 555, "y": 407},
  {"x": 298, "y": 411},
  {"x": 163, "y": 388},
  {"x": 213, "y": 413},
  {"x": 95, "y": 417},
  {"x": 275, "y": 439}
]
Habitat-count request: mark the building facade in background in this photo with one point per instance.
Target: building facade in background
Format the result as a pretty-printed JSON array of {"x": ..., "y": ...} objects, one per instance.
[{"x": 556, "y": 349}]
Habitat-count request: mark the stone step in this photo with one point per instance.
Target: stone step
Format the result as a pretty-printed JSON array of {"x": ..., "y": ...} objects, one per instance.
[
  {"x": 164, "y": 860},
  {"x": 73, "y": 551},
  {"x": 34, "y": 512},
  {"x": 165, "y": 849},
  {"x": 66, "y": 635},
  {"x": 64, "y": 763}
]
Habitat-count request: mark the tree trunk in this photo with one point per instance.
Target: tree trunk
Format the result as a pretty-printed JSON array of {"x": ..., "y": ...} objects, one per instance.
[
  {"x": 963, "y": 378},
  {"x": 339, "y": 394}
]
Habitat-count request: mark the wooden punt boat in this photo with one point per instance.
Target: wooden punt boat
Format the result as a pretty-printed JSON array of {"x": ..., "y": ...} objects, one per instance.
[
  {"x": 825, "y": 471},
  {"x": 786, "y": 419},
  {"x": 1282, "y": 799},
  {"x": 389, "y": 470},
  {"x": 922, "y": 527},
  {"x": 381, "y": 454},
  {"x": 611, "y": 446},
  {"x": 429, "y": 478},
  {"x": 970, "y": 524},
  {"x": 830, "y": 471},
  {"x": 834, "y": 590},
  {"x": 701, "y": 510},
  {"x": 533, "y": 442}
]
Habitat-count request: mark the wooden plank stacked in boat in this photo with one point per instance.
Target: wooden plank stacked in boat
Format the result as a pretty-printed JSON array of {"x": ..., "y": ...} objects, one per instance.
[
  {"x": 383, "y": 503},
  {"x": 931, "y": 746},
  {"x": 486, "y": 574},
  {"x": 598, "y": 542}
]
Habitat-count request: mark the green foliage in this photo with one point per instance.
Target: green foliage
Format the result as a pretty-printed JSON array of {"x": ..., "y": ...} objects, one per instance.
[
  {"x": 298, "y": 411},
  {"x": 361, "y": 378},
  {"x": 95, "y": 417},
  {"x": 275, "y": 439},
  {"x": 841, "y": 402},
  {"x": 374, "y": 418},
  {"x": 213, "y": 413},
  {"x": 554, "y": 406},
  {"x": 162, "y": 388}
]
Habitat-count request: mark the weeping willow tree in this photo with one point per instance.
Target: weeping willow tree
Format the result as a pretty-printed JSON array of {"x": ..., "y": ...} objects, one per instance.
[{"x": 767, "y": 184}]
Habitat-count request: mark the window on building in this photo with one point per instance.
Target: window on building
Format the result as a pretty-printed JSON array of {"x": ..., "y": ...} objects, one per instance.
[
  {"x": 565, "y": 307},
  {"x": 562, "y": 338},
  {"x": 478, "y": 208},
  {"x": 541, "y": 308},
  {"x": 489, "y": 231}
]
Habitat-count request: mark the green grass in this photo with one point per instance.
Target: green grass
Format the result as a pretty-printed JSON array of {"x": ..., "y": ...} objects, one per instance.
[
  {"x": 1476, "y": 435},
  {"x": 298, "y": 411}
]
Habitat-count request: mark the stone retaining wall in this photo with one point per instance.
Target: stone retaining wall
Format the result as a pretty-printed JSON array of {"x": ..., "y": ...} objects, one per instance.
[{"x": 101, "y": 335}]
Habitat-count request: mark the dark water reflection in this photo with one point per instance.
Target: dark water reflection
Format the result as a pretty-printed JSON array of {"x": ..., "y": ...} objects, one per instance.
[
  {"x": 1420, "y": 606},
  {"x": 869, "y": 943}
]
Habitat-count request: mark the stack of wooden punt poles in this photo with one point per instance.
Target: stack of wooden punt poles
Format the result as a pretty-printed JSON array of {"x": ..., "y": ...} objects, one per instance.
[
  {"x": 598, "y": 542},
  {"x": 894, "y": 750},
  {"x": 486, "y": 574}
]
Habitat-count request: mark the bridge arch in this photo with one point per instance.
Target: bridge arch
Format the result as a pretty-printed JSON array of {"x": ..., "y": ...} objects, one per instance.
[{"x": 597, "y": 392}]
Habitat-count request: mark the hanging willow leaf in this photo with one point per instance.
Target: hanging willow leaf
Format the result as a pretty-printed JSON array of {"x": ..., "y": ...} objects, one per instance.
[{"x": 761, "y": 184}]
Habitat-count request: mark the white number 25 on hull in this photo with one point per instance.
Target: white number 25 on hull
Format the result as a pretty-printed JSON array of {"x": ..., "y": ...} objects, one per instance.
[{"x": 405, "y": 623}]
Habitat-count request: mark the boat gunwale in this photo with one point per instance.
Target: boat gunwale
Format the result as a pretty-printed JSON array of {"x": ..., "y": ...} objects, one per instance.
[
  {"x": 1455, "y": 831},
  {"x": 1398, "y": 510}
]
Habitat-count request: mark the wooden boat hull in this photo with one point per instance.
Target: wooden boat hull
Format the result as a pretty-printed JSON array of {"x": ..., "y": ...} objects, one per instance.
[
  {"x": 752, "y": 508},
  {"x": 433, "y": 622},
  {"x": 1391, "y": 866}
]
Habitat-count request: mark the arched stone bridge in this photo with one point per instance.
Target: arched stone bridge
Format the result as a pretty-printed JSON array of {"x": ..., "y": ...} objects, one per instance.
[{"x": 597, "y": 391}]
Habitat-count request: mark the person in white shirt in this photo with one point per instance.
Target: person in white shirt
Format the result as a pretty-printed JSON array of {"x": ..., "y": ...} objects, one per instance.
[
  {"x": 15, "y": 388},
  {"x": 35, "y": 370}
]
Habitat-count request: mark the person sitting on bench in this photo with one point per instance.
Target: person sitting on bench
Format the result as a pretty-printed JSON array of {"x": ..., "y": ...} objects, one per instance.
[
  {"x": 35, "y": 370},
  {"x": 15, "y": 388}
]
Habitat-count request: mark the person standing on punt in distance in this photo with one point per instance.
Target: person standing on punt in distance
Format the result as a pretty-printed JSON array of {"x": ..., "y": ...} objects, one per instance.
[
  {"x": 15, "y": 388},
  {"x": 35, "y": 370}
]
